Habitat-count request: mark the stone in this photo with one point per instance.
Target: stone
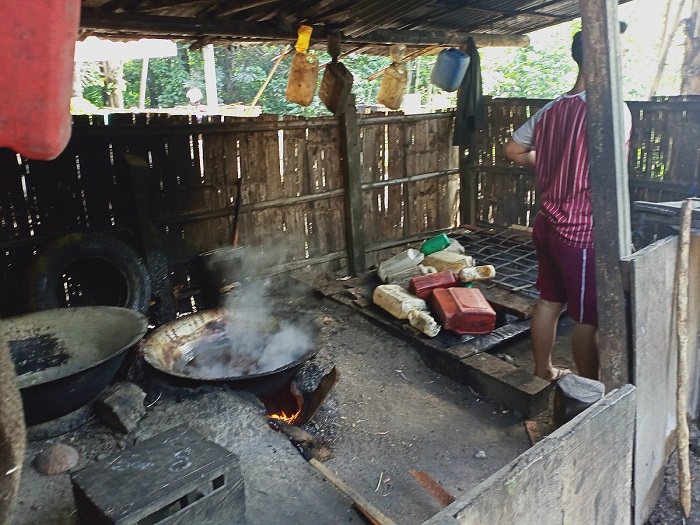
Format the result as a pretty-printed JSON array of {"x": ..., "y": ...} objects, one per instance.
[
  {"x": 56, "y": 459},
  {"x": 121, "y": 406}
]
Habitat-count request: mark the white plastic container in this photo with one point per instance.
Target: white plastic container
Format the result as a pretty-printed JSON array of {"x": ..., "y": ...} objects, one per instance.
[
  {"x": 455, "y": 246},
  {"x": 424, "y": 322},
  {"x": 397, "y": 300},
  {"x": 446, "y": 260},
  {"x": 404, "y": 275},
  {"x": 398, "y": 263},
  {"x": 477, "y": 273}
]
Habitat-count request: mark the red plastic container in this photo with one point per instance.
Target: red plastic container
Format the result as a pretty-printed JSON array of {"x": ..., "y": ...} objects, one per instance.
[
  {"x": 423, "y": 285},
  {"x": 38, "y": 39},
  {"x": 463, "y": 310}
]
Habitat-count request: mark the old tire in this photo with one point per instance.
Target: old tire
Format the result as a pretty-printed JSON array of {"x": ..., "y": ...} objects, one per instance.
[{"x": 89, "y": 269}]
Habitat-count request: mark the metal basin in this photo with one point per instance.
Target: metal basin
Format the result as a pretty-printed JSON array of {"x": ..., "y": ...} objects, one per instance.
[
  {"x": 65, "y": 357},
  {"x": 200, "y": 348}
]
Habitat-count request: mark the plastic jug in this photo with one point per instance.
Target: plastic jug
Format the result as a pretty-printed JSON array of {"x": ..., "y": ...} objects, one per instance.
[
  {"x": 455, "y": 246},
  {"x": 397, "y": 300},
  {"x": 446, "y": 260},
  {"x": 477, "y": 273},
  {"x": 464, "y": 311},
  {"x": 423, "y": 322},
  {"x": 422, "y": 285},
  {"x": 449, "y": 69},
  {"x": 336, "y": 85},
  {"x": 437, "y": 243},
  {"x": 393, "y": 86},
  {"x": 303, "y": 74},
  {"x": 38, "y": 39},
  {"x": 398, "y": 263}
]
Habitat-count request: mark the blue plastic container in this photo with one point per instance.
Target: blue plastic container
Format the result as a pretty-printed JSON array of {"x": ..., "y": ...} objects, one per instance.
[{"x": 449, "y": 69}]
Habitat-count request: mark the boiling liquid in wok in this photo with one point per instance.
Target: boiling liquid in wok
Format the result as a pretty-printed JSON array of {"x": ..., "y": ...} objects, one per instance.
[{"x": 217, "y": 355}]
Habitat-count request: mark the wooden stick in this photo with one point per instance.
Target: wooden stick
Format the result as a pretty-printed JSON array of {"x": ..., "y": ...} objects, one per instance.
[
  {"x": 682, "y": 433},
  {"x": 410, "y": 56},
  {"x": 282, "y": 56},
  {"x": 375, "y": 516},
  {"x": 436, "y": 490}
]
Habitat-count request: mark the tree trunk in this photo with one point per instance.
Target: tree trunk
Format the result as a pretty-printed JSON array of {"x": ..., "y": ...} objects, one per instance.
[
  {"x": 114, "y": 84},
  {"x": 690, "y": 72}
]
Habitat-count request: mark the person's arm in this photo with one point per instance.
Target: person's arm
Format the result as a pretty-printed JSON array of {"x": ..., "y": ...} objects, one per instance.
[{"x": 518, "y": 154}]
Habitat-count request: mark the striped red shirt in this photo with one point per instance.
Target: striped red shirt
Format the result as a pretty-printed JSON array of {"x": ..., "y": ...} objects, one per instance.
[{"x": 557, "y": 132}]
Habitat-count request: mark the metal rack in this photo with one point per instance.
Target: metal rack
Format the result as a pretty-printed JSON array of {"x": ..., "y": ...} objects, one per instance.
[{"x": 509, "y": 250}]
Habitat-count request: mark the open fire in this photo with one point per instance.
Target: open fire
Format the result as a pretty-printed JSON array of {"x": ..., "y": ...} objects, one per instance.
[{"x": 297, "y": 402}]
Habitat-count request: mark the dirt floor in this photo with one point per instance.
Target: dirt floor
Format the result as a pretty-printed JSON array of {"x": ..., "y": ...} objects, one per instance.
[{"x": 388, "y": 414}]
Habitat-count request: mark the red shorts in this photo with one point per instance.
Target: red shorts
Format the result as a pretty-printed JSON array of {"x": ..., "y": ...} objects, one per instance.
[{"x": 566, "y": 273}]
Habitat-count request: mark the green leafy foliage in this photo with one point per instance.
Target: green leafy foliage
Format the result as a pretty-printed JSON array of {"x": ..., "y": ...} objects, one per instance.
[{"x": 544, "y": 69}]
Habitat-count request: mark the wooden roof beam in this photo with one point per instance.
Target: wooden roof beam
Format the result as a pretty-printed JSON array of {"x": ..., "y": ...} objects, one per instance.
[{"x": 100, "y": 23}]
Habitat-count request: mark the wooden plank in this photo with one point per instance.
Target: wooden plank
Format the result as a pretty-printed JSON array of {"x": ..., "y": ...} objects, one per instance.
[
  {"x": 325, "y": 218},
  {"x": 547, "y": 484},
  {"x": 507, "y": 384},
  {"x": 610, "y": 195},
  {"x": 395, "y": 226},
  {"x": 652, "y": 275},
  {"x": 372, "y": 513},
  {"x": 503, "y": 300}
]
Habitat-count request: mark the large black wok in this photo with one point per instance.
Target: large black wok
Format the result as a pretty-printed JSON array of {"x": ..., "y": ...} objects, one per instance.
[
  {"x": 65, "y": 357},
  {"x": 175, "y": 349}
]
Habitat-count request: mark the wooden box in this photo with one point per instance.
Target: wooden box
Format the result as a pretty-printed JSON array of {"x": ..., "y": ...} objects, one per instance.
[
  {"x": 463, "y": 310},
  {"x": 174, "y": 478}
]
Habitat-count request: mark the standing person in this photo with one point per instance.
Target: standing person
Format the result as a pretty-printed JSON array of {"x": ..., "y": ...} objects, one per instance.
[{"x": 554, "y": 143}]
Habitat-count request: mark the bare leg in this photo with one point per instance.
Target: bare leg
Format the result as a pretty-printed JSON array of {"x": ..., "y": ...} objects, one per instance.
[
  {"x": 585, "y": 347},
  {"x": 543, "y": 332}
]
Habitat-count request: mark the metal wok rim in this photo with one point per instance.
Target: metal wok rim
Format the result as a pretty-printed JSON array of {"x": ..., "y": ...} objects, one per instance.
[
  {"x": 151, "y": 353},
  {"x": 43, "y": 377}
]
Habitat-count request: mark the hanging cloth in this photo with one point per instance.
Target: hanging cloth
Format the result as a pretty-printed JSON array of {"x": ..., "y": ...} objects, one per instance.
[{"x": 470, "y": 103}]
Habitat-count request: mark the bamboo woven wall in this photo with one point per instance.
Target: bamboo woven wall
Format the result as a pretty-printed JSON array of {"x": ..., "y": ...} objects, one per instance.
[
  {"x": 664, "y": 162},
  {"x": 410, "y": 178},
  {"x": 291, "y": 190},
  {"x": 664, "y": 157}
]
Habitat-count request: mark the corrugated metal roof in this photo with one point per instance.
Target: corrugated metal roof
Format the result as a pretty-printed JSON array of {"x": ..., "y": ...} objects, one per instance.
[{"x": 366, "y": 23}]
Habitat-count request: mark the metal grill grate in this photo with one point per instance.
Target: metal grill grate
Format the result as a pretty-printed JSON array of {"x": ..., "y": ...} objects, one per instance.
[{"x": 509, "y": 250}]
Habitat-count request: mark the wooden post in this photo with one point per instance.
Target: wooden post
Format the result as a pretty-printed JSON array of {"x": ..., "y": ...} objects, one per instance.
[
  {"x": 468, "y": 204},
  {"x": 142, "y": 84},
  {"x": 609, "y": 181},
  {"x": 210, "y": 79},
  {"x": 352, "y": 180},
  {"x": 682, "y": 432}
]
